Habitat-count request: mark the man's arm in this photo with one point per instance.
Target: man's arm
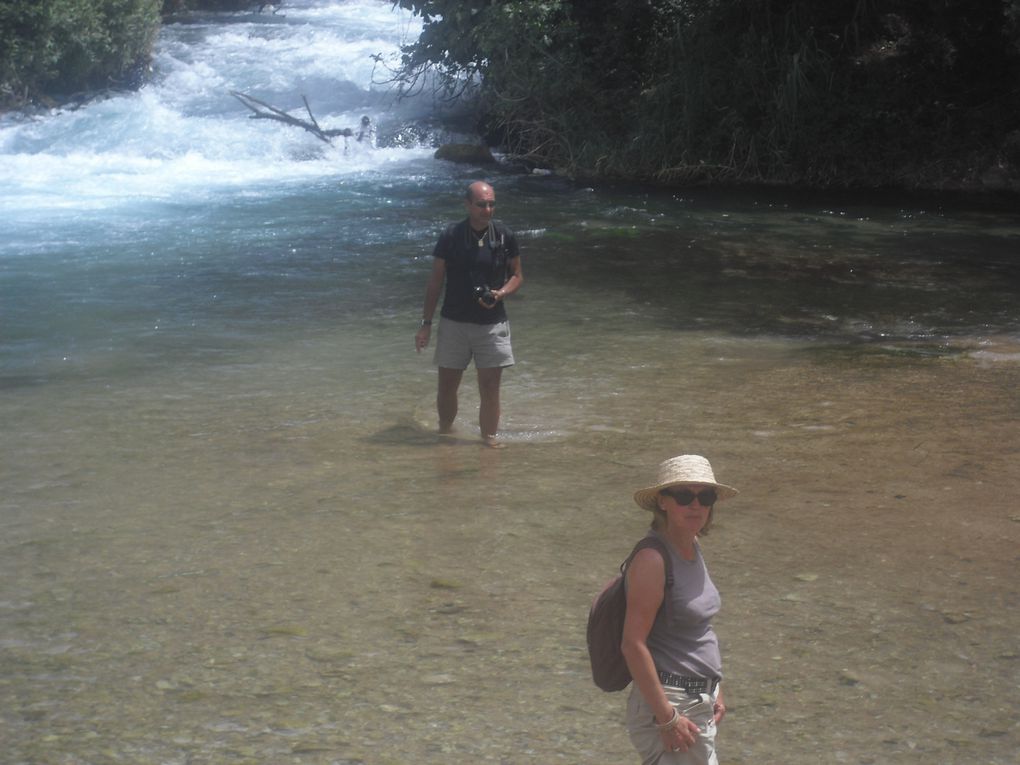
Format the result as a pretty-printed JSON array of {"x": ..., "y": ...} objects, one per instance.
[
  {"x": 432, "y": 290},
  {"x": 514, "y": 282}
]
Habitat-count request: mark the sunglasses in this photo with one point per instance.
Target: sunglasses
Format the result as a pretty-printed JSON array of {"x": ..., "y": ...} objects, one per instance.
[
  {"x": 684, "y": 497},
  {"x": 483, "y": 205}
]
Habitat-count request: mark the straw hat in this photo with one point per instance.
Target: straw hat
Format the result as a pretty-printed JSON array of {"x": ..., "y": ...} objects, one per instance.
[{"x": 687, "y": 468}]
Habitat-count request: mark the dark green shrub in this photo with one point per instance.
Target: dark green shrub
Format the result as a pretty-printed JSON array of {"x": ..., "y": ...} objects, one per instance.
[
  {"x": 59, "y": 47},
  {"x": 845, "y": 92}
]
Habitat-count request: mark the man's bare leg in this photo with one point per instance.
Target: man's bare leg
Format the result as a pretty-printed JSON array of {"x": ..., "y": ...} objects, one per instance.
[
  {"x": 488, "y": 408},
  {"x": 446, "y": 397}
]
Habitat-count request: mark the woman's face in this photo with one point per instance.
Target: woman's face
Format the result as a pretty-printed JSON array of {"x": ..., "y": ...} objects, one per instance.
[{"x": 687, "y": 505}]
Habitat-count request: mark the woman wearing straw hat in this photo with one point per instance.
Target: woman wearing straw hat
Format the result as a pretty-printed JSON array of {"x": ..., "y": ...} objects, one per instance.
[{"x": 668, "y": 641}]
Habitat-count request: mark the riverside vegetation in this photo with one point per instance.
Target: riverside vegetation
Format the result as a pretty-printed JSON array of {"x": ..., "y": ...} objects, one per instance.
[
  {"x": 903, "y": 93},
  {"x": 56, "y": 51},
  {"x": 918, "y": 94}
]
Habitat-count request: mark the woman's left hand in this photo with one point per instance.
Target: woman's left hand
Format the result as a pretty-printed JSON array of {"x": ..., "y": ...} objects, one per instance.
[{"x": 718, "y": 709}]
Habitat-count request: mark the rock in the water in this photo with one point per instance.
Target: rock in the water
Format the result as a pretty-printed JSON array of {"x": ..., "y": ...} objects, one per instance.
[{"x": 465, "y": 153}]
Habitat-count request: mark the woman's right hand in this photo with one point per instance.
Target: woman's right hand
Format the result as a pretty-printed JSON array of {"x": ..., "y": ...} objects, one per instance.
[{"x": 681, "y": 736}]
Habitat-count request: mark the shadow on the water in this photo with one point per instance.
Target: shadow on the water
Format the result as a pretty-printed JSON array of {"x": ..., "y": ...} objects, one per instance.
[
  {"x": 413, "y": 434},
  {"x": 403, "y": 434}
]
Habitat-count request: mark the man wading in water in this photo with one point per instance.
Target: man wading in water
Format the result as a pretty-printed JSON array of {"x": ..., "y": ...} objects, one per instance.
[{"x": 479, "y": 262}]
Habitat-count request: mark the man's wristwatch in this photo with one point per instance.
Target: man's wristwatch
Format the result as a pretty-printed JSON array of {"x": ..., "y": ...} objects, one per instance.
[{"x": 426, "y": 322}]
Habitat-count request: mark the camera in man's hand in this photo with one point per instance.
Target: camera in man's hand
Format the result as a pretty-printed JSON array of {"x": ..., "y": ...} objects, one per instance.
[{"x": 483, "y": 293}]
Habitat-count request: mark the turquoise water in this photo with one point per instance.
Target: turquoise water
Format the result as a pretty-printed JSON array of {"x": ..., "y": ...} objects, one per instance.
[{"x": 228, "y": 533}]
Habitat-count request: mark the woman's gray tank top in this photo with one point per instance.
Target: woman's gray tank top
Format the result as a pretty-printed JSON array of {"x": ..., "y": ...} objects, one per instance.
[{"x": 682, "y": 640}]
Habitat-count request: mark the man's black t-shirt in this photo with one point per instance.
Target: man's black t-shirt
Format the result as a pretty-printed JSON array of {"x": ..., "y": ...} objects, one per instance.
[{"x": 469, "y": 265}]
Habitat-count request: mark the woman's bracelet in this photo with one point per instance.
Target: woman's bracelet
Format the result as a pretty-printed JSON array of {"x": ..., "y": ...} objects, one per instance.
[{"x": 673, "y": 721}]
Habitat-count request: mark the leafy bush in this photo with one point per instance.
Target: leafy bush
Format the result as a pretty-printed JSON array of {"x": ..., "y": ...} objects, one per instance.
[
  {"x": 65, "y": 46},
  {"x": 846, "y": 92}
]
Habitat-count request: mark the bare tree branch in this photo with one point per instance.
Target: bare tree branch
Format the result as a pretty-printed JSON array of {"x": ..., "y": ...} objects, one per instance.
[{"x": 263, "y": 111}]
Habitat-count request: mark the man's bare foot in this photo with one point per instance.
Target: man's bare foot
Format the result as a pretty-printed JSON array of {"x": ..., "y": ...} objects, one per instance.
[{"x": 493, "y": 442}]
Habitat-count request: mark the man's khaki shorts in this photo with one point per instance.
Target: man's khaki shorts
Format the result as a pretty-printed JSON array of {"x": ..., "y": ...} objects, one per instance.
[{"x": 488, "y": 344}]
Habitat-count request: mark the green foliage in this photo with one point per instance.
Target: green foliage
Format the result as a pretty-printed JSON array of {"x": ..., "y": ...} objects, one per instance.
[
  {"x": 862, "y": 92},
  {"x": 64, "y": 46},
  {"x": 460, "y": 40}
]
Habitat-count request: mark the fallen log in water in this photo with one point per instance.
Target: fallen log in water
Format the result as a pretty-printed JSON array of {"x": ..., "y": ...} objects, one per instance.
[{"x": 263, "y": 111}]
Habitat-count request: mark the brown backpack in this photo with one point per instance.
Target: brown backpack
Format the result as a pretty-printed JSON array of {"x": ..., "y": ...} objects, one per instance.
[{"x": 605, "y": 623}]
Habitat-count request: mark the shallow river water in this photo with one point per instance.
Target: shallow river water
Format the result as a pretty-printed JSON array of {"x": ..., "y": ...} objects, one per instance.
[{"x": 229, "y": 535}]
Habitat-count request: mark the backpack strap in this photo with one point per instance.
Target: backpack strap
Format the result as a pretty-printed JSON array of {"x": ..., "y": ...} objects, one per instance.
[{"x": 659, "y": 545}]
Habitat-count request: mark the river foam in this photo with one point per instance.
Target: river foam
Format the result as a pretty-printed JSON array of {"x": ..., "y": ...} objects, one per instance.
[{"x": 184, "y": 137}]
